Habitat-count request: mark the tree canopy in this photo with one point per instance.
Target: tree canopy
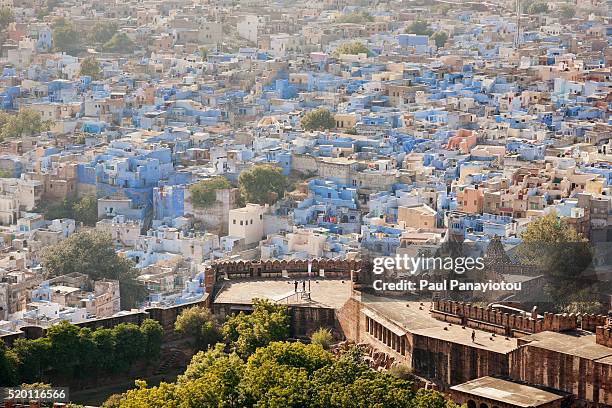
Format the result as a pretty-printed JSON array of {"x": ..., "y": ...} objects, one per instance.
[
  {"x": 90, "y": 67},
  {"x": 203, "y": 193},
  {"x": 6, "y": 18},
  {"x": 198, "y": 323},
  {"x": 356, "y": 17},
  {"x": 283, "y": 375},
  {"x": 70, "y": 351},
  {"x": 84, "y": 209},
  {"x": 27, "y": 122},
  {"x": 262, "y": 184},
  {"x": 246, "y": 332},
  {"x": 66, "y": 38},
  {"x": 93, "y": 254},
  {"x": 103, "y": 32},
  {"x": 119, "y": 43},
  {"x": 537, "y": 7},
  {"x": 440, "y": 38},
  {"x": 419, "y": 27},
  {"x": 203, "y": 53},
  {"x": 318, "y": 119},
  {"x": 568, "y": 11},
  {"x": 351, "y": 48},
  {"x": 563, "y": 255},
  {"x": 322, "y": 337}
]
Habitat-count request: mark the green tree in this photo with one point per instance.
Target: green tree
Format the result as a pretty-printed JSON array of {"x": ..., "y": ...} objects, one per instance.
[
  {"x": 66, "y": 38},
  {"x": 322, "y": 337},
  {"x": 165, "y": 395},
  {"x": 432, "y": 399},
  {"x": 197, "y": 322},
  {"x": 65, "y": 350},
  {"x": 262, "y": 184},
  {"x": 63, "y": 209},
  {"x": 130, "y": 345},
  {"x": 443, "y": 9},
  {"x": 120, "y": 43},
  {"x": 33, "y": 356},
  {"x": 103, "y": 32},
  {"x": 93, "y": 254},
  {"x": 585, "y": 301},
  {"x": 282, "y": 375},
  {"x": 537, "y": 8},
  {"x": 88, "y": 353},
  {"x": 72, "y": 352},
  {"x": 114, "y": 401},
  {"x": 348, "y": 382},
  {"x": 153, "y": 334},
  {"x": 356, "y": 17},
  {"x": 419, "y": 27},
  {"x": 85, "y": 210},
  {"x": 351, "y": 48},
  {"x": 203, "y": 193},
  {"x": 401, "y": 370},
  {"x": 6, "y": 18},
  {"x": 562, "y": 254},
  {"x": 568, "y": 11},
  {"x": 104, "y": 341},
  {"x": 318, "y": 119},
  {"x": 440, "y": 38},
  {"x": 90, "y": 67},
  {"x": 246, "y": 332},
  {"x": 9, "y": 365},
  {"x": 216, "y": 372},
  {"x": 27, "y": 122},
  {"x": 204, "y": 53}
]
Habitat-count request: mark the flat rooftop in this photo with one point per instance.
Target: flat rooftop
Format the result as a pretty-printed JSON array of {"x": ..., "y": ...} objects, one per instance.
[
  {"x": 410, "y": 315},
  {"x": 577, "y": 343},
  {"x": 507, "y": 392},
  {"x": 459, "y": 335},
  {"x": 64, "y": 289},
  {"x": 414, "y": 317},
  {"x": 331, "y": 293}
]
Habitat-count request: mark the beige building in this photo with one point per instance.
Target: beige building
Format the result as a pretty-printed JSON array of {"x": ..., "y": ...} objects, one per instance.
[
  {"x": 345, "y": 120},
  {"x": 247, "y": 223},
  {"x": 105, "y": 300},
  {"x": 210, "y": 33},
  {"x": 306, "y": 240},
  {"x": 421, "y": 216},
  {"x": 123, "y": 231}
]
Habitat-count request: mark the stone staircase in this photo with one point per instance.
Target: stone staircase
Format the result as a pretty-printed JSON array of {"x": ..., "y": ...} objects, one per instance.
[{"x": 170, "y": 360}]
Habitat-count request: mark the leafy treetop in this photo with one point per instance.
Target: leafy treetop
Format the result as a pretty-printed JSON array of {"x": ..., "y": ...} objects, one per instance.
[
  {"x": 93, "y": 254},
  {"x": 351, "y": 48},
  {"x": 419, "y": 27},
  {"x": 203, "y": 193},
  {"x": 318, "y": 119},
  {"x": 262, "y": 184}
]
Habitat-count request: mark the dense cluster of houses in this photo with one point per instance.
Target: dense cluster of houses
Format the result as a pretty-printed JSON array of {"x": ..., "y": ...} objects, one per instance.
[{"x": 504, "y": 122}]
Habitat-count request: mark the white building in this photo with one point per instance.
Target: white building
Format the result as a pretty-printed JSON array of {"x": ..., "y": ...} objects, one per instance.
[{"x": 247, "y": 223}]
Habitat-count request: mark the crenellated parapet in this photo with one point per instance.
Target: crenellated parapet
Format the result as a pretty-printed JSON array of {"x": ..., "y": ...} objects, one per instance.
[
  {"x": 269, "y": 269},
  {"x": 603, "y": 335},
  {"x": 510, "y": 324},
  {"x": 590, "y": 322}
]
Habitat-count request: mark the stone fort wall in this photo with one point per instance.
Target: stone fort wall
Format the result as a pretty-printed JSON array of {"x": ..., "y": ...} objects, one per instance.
[
  {"x": 507, "y": 324},
  {"x": 166, "y": 316},
  {"x": 303, "y": 319}
]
